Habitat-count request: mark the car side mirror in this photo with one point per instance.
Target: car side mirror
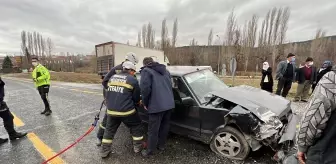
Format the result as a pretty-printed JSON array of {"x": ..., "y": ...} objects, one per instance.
[{"x": 188, "y": 101}]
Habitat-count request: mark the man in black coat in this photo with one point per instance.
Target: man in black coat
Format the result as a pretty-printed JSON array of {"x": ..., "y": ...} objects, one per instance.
[
  {"x": 306, "y": 76},
  {"x": 7, "y": 117},
  {"x": 158, "y": 100}
]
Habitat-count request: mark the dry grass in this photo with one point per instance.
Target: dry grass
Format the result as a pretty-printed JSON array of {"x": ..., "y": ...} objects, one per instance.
[
  {"x": 65, "y": 76},
  {"x": 94, "y": 78}
]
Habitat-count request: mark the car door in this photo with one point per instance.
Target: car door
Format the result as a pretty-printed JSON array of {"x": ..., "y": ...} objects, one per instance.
[
  {"x": 185, "y": 118},
  {"x": 141, "y": 110}
]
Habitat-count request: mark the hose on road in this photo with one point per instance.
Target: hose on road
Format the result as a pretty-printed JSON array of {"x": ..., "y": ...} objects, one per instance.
[{"x": 94, "y": 124}]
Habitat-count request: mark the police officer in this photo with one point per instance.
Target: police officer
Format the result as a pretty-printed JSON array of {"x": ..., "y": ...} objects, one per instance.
[
  {"x": 115, "y": 70},
  {"x": 7, "y": 117},
  {"x": 123, "y": 94},
  {"x": 41, "y": 77}
]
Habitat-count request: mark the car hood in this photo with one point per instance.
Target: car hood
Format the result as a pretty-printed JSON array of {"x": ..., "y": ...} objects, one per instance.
[{"x": 262, "y": 103}]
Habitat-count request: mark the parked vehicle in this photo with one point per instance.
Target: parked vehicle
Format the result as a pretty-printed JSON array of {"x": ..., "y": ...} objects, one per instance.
[
  {"x": 110, "y": 54},
  {"x": 232, "y": 120}
]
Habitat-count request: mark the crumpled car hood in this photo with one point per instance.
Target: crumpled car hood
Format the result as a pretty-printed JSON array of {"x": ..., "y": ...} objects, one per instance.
[{"x": 261, "y": 103}]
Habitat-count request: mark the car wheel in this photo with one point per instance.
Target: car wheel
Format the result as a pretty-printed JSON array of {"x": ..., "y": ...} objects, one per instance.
[{"x": 230, "y": 143}]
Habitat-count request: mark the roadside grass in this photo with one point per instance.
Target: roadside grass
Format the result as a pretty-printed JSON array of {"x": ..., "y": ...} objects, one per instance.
[
  {"x": 64, "y": 76},
  {"x": 94, "y": 79}
]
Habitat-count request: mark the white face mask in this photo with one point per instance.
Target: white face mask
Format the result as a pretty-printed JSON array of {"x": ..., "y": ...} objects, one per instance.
[
  {"x": 265, "y": 66},
  {"x": 34, "y": 64}
]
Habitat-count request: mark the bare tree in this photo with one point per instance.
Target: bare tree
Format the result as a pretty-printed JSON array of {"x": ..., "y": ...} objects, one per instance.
[
  {"x": 174, "y": 36},
  {"x": 164, "y": 35},
  {"x": 39, "y": 48},
  {"x": 23, "y": 42},
  {"x": 149, "y": 35},
  {"x": 271, "y": 23},
  {"x": 50, "y": 46},
  {"x": 42, "y": 43},
  {"x": 144, "y": 34},
  {"x": 261, "y": 34},
  {"x": 30, "y": 43},
  {"x": 210, "y": 38},
  {"x": 283, "y": 30},
  {"x": 152, "y": 46},
  {"x": 273, "y": 32},
  {"x": 231, "y": 27},
  {"x": 158, "y": 45},
  {"x": 35, "y": 43},
  {"x": 139, "y": 39},
  {"x": 26, "y": 57},
  {"x": 319, "y": 43},
  {"x": 248, "y": 39}
]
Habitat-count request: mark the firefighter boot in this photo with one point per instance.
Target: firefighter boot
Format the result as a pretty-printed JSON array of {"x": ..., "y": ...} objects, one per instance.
[
  {"x": 137, "y": 147},
  {"x": 16, "y": 135},
  {"x": 99, "y": 142},
  {"x": 105, "y": 150},
  {"x": 3, "y": 140}
]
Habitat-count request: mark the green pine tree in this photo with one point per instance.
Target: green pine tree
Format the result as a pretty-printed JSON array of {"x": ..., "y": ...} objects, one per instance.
[{"x": 7, "y": 63}]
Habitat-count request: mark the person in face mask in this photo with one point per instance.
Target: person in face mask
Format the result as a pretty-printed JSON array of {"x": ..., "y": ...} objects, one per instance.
[
  {"x": 41, "y": 77},
  {"x": 326, "y": 67},
  {"x": 285, "y": 74},
  {"x": 306, "y": 77},
  {"x": 266, "y": 79}
]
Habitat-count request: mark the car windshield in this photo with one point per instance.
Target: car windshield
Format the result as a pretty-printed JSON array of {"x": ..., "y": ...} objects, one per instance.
[{"x": 203, "y": 82}]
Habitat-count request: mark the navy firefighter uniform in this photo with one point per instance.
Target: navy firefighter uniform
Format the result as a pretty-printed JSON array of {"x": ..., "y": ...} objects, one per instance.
[
  {"x": 123, "y": 94},
  {"x": 115, "y": 70}
]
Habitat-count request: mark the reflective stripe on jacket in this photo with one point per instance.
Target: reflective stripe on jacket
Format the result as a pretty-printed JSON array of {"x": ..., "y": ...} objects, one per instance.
[
  {"x": 41, "y": 76},
  {"x": 122, "y": 94}
]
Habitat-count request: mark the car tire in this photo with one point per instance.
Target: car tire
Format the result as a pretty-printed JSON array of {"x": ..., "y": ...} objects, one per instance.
[{"x": 230, "y": 143}]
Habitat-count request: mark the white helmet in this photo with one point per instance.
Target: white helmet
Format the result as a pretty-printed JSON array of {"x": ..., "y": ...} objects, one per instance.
[
  {"x": 132, "y": 57},
  {"x": 129, "y": 65}
]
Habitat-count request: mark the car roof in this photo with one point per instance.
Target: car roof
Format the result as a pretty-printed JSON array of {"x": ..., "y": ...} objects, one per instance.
[{"x": 182, "y": 70}]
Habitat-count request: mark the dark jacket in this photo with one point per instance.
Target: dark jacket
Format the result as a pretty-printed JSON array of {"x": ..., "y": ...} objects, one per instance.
[
  {"x": 320, "y": 74},
  {"x": 123, "y": 93},
  {"x": 113, "y": 71},
  {"x": 300, "y": 75},
  {"x": 2, "y": 90},
  {"x": 268, "y": 72},
  {"x": 324, "y": 149},
  {"x": 281, "y": 70},
  {"x": 156, "y": 88}
]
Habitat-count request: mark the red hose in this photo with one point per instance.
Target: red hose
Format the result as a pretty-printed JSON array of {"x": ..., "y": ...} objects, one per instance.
[{"x": 73, "y": 144}]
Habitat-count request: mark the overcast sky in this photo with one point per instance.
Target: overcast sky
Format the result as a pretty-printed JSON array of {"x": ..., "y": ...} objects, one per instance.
[{"x": 77, "y": 25}]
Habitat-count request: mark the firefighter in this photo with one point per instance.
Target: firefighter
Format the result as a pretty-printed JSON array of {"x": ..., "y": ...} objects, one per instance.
[
  {"x": 123, "y": 94},
  {"x": 115, "y": 70},
  {"x": 7, "y": 117},
  {"x": 41, "y": 77}
]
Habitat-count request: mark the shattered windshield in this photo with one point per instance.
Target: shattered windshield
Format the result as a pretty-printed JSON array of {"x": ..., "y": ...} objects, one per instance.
[{"x": 203, "y": 82}]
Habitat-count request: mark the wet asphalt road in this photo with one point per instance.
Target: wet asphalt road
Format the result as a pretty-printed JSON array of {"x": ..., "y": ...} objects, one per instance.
[{"x": 74, "y": 107}]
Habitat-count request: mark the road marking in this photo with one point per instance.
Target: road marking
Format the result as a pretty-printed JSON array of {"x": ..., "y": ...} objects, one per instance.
[
  {"x": 17, "y": 121},
  {"x": 40, "y": 146},
  {"x": 43, "y": 149}
]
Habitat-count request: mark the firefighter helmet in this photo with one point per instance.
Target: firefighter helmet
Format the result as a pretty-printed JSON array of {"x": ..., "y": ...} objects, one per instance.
[{"x": 131, "y": 56}]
